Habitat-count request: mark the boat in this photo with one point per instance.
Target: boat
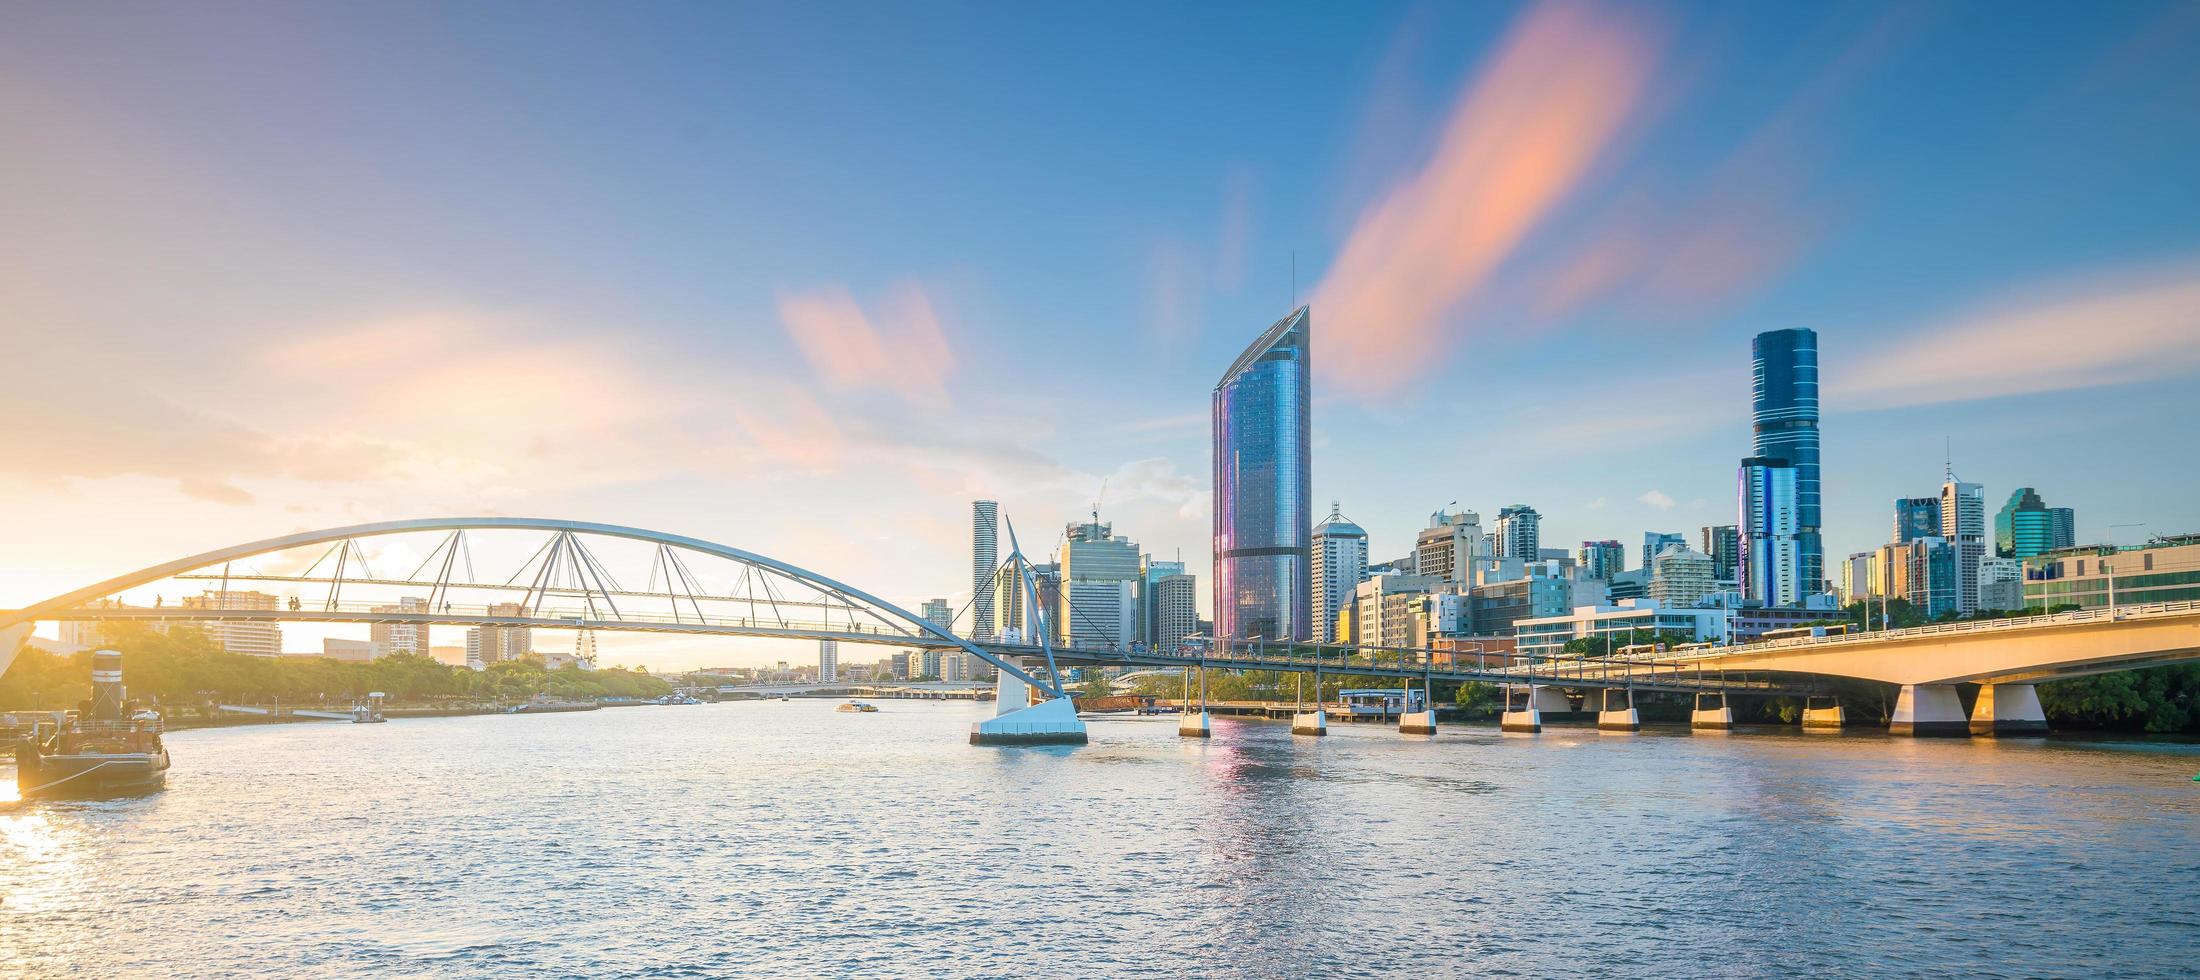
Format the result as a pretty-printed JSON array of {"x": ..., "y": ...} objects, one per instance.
[
  {"x": 369, "y": 713},
  {"x": 857, "y": 706},
  {"x": 110, "y": 747},
  {"x": 545, "y": 706},
  {"x": 674, "y": 698}
]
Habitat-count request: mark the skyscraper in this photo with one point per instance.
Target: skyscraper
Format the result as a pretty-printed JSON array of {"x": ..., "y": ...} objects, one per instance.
[
  {"x": 1601, "y": 560},
  {"x": 939, "y": 613},
  {"x": 1784, "y": 418},
  {"x": 1723, "y": 543},
  {"x": 1340, "y": 565},
  {"x": 1448, "y": 548},
  {"x": 1680, "y": 577},
  {"x": 1963, "y": 523},
  {"x": 1654, "y": 544},
  {"x": 2062, "y": 528},
  {"x": 1263, "y": 486},
  {"x": 2022, "y": 527},
  {"x": 1519, "y": 533},
  {"x": 1771, "y": 548},
  {"x": 828, "y": 661},
  {"x": 1916, "y": 517},
  {"x": 1175, "y": 610},
  {"x": 1100, "y": 571},
  {"x": 1150, "y": 572},
  {"x": 985, "y": 560}
]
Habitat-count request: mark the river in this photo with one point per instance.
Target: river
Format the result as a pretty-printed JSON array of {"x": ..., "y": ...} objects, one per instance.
[{"x": 785, "y": 838}]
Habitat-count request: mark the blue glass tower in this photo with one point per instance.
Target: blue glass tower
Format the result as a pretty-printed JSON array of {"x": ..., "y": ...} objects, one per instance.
[
  {"x": 1264, "y": 487},
  {"x": 1784, "y": 417}
]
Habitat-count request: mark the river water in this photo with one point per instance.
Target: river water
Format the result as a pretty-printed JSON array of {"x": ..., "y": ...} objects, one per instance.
[{"x": 784, "y": 838}]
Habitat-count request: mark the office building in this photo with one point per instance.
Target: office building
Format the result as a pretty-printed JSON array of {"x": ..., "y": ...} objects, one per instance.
[
  {"x": 1151, "y": 571},
  {"x": 1601, "y": 560},
  {"x": 1654, "y": 544},
  {"x": 1099, "y": 576},
  {"x": 1620, "y": 624},
  {"x": 955, "y": 667},
  {"x": 1382, "y": 615},
  {"x": 1916, "y": 517},
  {"x": 352, "y": 651},
  {"x": 1519, "y": 533},
  {"x": 1263, "y": 487},
  {"x": 985, "y": 563},
  {"x": 1449, "y": 547},
  {"x": 828, "y": 661},
  {"x": 2167, "y": 569},
  {"x": 1680, "y": 577},
  {"x": 938, "y": 613},
  {"x": 257, "y": 639},
  {"x": 1339, "y": 566},
  {"x": 1963, "y": 523},
  {"x": 1784, "y": 421},
  {"x": 1921, "y": 572},
  {"x": 1858, "y": 578},
  {"x": 2000, "y": 584},
  {"x": 1494, "y": 608},
  {"x": 1771, "y": 560},
  {"x": 1176, "y": 610},
  {"x": 409, "y": 638},
  {"x": 2026, "y": 526},
  {"x": 1723, "y": 542},
  {"x": 2062, "y": 525}
]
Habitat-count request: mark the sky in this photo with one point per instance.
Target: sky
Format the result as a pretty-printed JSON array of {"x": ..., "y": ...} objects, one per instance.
[{"x": 805, "y": 279}]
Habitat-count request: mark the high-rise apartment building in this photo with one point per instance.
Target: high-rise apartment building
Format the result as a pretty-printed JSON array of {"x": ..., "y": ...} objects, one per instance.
[
  {"x": 257, "y": 639},
  {"x": 486, "y": 645},
  {"x": 1100, "y": 572},
  {"x": 1339, "y": 566},
  {"x": 1771, "y": 562},
  {"x": 1449, "y": 547},
  {"x": 828, "y": 661},
  {"x": 1176, "y": 608},
  {"x": 1923, "y": 572},
  {"x": 985, "y": 562},
  {"x": 1654, "y": 544},
  {"x": 1858, "y": 581},
  {"x": 1519, "y": 533},
  {"x": 1680, "y": 577},
  {"x": 1723, "y": 542},
  {"x": 1963, "y": 523},
  {"x": 1601, "y": 560},
  {"x": 403, "y": 637},
  {"x": 1151, "y": 571},
  {"x": 1263, "y": 486},
  {"x": 938, "y": 613},
  {"x": 1916, "y": 517},
  {"x": 1784, "y": 421}
]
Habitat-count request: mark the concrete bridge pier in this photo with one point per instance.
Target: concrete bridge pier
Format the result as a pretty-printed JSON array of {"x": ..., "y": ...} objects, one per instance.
[
  {"x": 1712, "y": 713},
  {"x": 1929, "y": 711},
  {"x": 1524, "y": 708},
  {"x": 1418, "y": 722},
  {"x": 2008, "y": 710},
  {"x": 1315, "y": 722},
  {"x": 1822, "y": 714},
  {"x": 1194, "y": 724},
  {"x": 1619, "y": 719},
  {"x": 1019, "y": 722}
]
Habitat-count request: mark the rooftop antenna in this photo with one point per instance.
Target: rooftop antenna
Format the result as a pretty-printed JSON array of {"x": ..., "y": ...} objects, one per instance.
[{"x": 1948, "y": 455}]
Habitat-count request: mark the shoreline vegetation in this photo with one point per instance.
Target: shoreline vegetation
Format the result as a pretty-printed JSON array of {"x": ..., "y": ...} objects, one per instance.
[{"x": 182, "y": 671}]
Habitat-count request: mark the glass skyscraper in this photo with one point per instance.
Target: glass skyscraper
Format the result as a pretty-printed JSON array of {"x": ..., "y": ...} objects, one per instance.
[
  {"x": 1264, "y": 487},
  {"x": 1784, "y": 417}
]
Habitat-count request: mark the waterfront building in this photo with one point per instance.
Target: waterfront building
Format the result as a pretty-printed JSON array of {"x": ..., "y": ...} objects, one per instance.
[
  {"x": 2166, "y": 569},
  {"x": 1339, "y": 566},
  {"x": 1784, "y": 421},
  {"x": 352, "y": 651},
  {"x": 1916, "y": 517},
  {"x": 256, "y": 639},
  {"x": 1449, "y": 547},
  {"x": 1602, "y": 559},
  {"x": 1382, "y": 615},
  {"x": 1771, "y": 561},
  {"x": 1099, "y": 575},
  {"x": 985, "y": 564},
  {"x": 1495, "y": 608},
  {"x": 403, "y": 637},
  {"x": 2000, "y": 584},
  {"x": 1519, "y": 533},
  {"x": 1723, "y": 542},
  {"x": 828, "y": 661},
  {"x": 1176, "y": 609},
  {"x": 1622, "y": 623},
  {"x": 1748, "y": 624},
  {"x": 1151, "y": 571},
  {"x": 486, "y": 645},
  {"x": 1680, "y": 577},
  {"x": 1654, "y": 544},
  {"x": 1263, "y": 486},
  {"x": 1963, "y": 523},
  {"x": 955, "y": 667}
]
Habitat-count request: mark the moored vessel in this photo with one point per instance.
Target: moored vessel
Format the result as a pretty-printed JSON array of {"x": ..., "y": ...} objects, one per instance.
[
  {"x": 111, "y": 746},
  {"x": 857, "y": 706}
]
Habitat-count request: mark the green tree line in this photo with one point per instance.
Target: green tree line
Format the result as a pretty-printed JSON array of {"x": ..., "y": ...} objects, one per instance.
[{"x": 184, "y": 666}]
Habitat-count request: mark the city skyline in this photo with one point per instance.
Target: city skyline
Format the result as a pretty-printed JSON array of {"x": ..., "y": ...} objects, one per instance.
[{"x": 735, "y": 342}]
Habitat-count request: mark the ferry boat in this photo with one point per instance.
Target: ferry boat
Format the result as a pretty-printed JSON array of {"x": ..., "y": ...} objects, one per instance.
[
  {"x": 858, "y": 706},
  {"x": 111, "y": 747},
  {"x": 544, "y": 705},
  {"x": 369, "y": 713}
]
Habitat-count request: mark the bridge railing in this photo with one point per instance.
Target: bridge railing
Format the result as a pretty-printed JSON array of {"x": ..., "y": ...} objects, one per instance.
[
  {"x": 2118, "y": 614},
  {"x": 547, "y": 617}
]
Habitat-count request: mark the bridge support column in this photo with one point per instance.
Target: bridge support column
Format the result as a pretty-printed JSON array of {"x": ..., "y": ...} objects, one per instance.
[
  {"x": 1315, "y": 722},
  {"x": 1194, "y": 724},
  {"x": 1618, "y": 719},
  {"x": 2007, "y": 710},
  {"x": 1418, "y": 722},
  {"x": 1051, "y": 722},
  {"x": 1823, "y": 715},
  {"x": 1929, "y": 710},
  {"x": 1527, "y": 718},
  {"x": 1712, "y": 713}
]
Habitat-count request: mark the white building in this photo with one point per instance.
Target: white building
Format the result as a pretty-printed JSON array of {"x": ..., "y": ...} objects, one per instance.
[
  {"x": 1449, "y": 548},
  {"x": 403, "y": 637},
  {"x": 258, "y": 639},
  {"x": 1963, "y": 523},
  {"x": 1772, "y": 552},
  {"x": 1176, "y": 605},
  {"x": 1519, "y": 533},
  {"x": 1340, "y": 565},
  {"x": 352, "y": 651},
  {"x": 1099, "y": 574},
  {"x": 1383, "y": 608},
  {"x": 1629, "y": 621},
  {"x": 828, "y": 661},
  {"x": 1680, "y": 577}
]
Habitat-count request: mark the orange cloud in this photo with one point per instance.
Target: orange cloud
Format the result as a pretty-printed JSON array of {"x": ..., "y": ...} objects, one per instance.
[
  {"x": 1524, "y": 135},
  {"x": 902, "y": 349}
]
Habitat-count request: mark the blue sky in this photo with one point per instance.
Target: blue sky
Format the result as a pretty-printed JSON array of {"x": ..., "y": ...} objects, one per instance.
[{"x": 807, "y": 278}]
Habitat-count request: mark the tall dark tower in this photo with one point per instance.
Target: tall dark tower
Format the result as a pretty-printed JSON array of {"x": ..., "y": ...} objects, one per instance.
[
  {"x": 1264, "y": 487},
  {"x": 1784, "y": 417}
]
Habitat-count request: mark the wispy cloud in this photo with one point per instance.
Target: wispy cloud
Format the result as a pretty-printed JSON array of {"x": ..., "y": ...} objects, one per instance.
[
  {"x": 901, "y": 347},
  {"x": 2111, "y": 328},
  {"x": 1656, "y": 498},
  {"x": 1521, "y": 138}
]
